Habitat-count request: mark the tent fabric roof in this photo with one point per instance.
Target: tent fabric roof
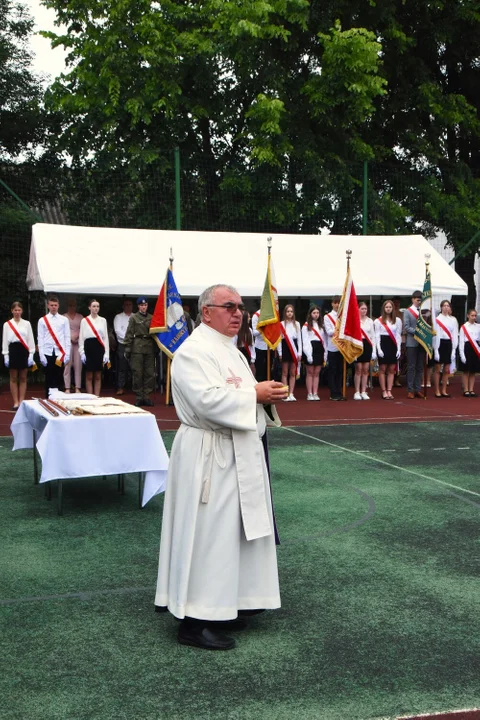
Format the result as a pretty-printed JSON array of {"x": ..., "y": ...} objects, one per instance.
[{"x": 111, "y": 261}]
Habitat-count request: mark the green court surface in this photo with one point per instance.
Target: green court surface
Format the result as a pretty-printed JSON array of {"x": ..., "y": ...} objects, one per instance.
[{"x": 379, "y": 573}]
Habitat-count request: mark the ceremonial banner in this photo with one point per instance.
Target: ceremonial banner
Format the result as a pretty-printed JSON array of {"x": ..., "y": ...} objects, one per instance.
[
  {"x": 348, "y": 332},
  {"x": 269, "y": 319},
  {"x": 424, "y": 331},
  {"x": 168, "y": 321}
]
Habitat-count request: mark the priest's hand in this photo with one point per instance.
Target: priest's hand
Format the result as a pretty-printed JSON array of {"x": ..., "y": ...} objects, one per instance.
[{"x": 269, "y": 392}]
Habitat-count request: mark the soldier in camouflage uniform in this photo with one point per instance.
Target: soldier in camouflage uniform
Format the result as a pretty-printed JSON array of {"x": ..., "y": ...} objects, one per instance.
[{"x": 140, "y": 350}]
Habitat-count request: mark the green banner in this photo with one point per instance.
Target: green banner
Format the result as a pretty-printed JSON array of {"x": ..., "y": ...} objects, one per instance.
[{"x": 424, "y": 329}]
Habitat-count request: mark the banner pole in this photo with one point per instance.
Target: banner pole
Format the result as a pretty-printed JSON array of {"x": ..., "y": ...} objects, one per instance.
[
  {"x": 169, "y": 360},
  {"x": 269, "y": 362},
  {"x": 344, "y": 389}
]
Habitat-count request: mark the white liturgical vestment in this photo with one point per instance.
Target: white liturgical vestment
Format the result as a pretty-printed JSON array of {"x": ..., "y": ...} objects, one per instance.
[{"x": 217, "y": 550}]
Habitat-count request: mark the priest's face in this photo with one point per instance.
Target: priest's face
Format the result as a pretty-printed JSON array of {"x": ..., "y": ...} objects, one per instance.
[{"x": 224, "y": 320}]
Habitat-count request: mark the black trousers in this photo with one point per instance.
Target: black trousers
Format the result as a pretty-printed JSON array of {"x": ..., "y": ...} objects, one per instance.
[
  {"x": 260, "y": 364},
  {"x": 335, "y": 374},
  {"x": 53, "y": 375}
]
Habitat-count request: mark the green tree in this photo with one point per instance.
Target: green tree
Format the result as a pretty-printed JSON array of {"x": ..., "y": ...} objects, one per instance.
[{"x": 261, "y": 106}]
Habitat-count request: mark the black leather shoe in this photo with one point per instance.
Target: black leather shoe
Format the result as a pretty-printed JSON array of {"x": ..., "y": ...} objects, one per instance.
[
  {"x": 148, "y": 402},
  {"x": 202, "y": 636},
  {"x": 237, "y": 624},
  {"x": 139, "y": 403},
  {"x": 161, "y": 608}
]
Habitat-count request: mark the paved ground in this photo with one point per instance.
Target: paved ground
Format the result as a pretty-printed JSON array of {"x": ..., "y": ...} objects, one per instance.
[{"x": 302, "y": 413}]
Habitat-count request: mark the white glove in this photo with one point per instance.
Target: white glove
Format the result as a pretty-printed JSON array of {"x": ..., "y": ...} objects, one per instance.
[
  {"x": 66, "y": 359},
  {"x": 30, "y": 361},
  {"x": 310, "y": 360},
  {"x": 398, "y": 355},
  {"x": 83, "y": 358},
  {"x": 43, "y": 360},
  {"x": 380, "y": 353},
  {"x": 436, "y": 356},
  {"x": 6, "y": 361},
  {"x": 374, "y": 356},
  {"x": 106, "y": 359}
]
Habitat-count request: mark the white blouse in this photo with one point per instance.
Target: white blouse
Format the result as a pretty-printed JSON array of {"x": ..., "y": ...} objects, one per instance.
[
  {"x": 473, "y": 330},
  {"x": 380, "y": 330},
  {"x": 293, "y": 331},
  {"x": 451, "y": 324},
  {"x": 24, "y": 329},
  {"x": 86, "y": 332},
  {"x": 309, "y": 337}
]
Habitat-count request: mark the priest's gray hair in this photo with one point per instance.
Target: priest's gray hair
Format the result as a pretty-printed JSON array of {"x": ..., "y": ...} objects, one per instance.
[{"x": 208, "y": 296}]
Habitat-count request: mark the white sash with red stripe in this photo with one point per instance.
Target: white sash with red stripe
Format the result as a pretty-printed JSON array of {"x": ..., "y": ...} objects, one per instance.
[
  {"x": 392, "y": 336},
  {"x": 15, "y": 331},
  {"x": 444, "y": 328},
  {"x": 364, "y": 335},
  {"x": 471, "y": 341},
  {"x": 95, "y": 332},
  {"x": 54, "y": 338}
]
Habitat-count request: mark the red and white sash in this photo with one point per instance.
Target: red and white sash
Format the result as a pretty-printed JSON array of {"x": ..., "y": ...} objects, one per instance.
[
  {"x": 444, "y": 328},
  {"x": 95, "y": 332},
  {"x": 364, "y": 335},
  {"x": 247, "y": 348},
  {"x": 414, "y": 313},
  {"x": 315, "y": 332},
  {"x": 334, "y": 322},
  {"x": 471, "y": 341},
  {"x": 55, "y": 340},
  {"x": 291, "y": 347},
  {"x": 14, "y": 330},
  {"x": 392, "y": 336}
]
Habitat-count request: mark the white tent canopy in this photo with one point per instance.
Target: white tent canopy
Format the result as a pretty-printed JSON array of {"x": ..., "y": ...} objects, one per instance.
[{"x": 110, "y": 261}]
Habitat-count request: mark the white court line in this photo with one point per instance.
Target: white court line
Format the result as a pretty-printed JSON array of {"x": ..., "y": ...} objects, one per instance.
[
  {"x": 463, "y": 448},
  {"x": 439, "y": 448},
  {"x": 382, "y": 462},
  {"x": 413, "y": 450}
]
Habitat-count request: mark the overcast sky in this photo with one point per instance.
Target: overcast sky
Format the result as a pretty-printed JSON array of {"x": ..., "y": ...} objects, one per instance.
[{"x": 46, "y": 60}]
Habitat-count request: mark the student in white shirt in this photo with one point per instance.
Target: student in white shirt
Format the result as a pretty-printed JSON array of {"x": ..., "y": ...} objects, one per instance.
[
  {"x": 314, "y": 342},
  {"x": 261, "y": 350},
  {"x": 120, "y": 324},
  {"x": 290, "y": 350},
  {"x": 362, "y": 363},
  {"x": 468, "y": 346},
  {"x": 244, "y": 341},
  {"x": 18, "y": 347},
  {"x": 94, "y": 347},
  {"x": 445, "y": 344},
  {"x": 54, "y": 345},
  {"x": 334, "y": 356},
  {"x": 389, "y": 342}
]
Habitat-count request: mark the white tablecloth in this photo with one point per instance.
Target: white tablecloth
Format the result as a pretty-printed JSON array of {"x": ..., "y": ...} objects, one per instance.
[{"x": 84, "y": 445}]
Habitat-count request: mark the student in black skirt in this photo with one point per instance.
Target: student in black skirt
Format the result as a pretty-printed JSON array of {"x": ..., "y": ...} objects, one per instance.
[
  {"x": 445, "y": 344},
  {"x": 94, "y": 348},
  {"x": 468, "y": 346},
  {"x": 314, "y": 342},
  {"x": 244, "y": 341},
  {"x": 18, "y": 347},
  {"x": 362, "y": 363},
  {"x": 290, "y": 357},
  {"x": 389, "y": 344}
]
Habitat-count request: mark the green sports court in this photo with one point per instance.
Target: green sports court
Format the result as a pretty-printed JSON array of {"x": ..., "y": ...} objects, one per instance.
[{"x": 378, "y": 562}]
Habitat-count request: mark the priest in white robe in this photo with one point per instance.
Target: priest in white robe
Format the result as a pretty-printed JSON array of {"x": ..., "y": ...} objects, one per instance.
[{"x": 217, "y": 549}]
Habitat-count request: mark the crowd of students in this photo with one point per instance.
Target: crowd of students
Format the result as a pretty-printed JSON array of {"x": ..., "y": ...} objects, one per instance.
[
  {"x": 69, "y": 342},
  {"x": 388, "y": 341}
]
